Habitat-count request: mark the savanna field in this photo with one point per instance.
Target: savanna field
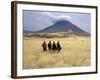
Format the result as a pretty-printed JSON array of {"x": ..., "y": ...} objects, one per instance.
[{"x": 75, "y": 52}]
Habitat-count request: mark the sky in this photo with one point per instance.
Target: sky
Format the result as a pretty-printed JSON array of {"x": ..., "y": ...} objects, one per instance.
[{"x": 38, "y": 20}]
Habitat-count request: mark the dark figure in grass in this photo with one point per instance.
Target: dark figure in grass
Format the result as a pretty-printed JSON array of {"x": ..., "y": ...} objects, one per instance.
[
  {"x": 58, "y": 46},
  {"x": 49, "y": 46},
  {"x": 44, "y": 45},
  {"x": 54, "y": 46}
]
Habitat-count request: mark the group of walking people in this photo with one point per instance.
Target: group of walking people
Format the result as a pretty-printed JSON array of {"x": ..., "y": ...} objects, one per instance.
[{"x": 51, "y": 46}]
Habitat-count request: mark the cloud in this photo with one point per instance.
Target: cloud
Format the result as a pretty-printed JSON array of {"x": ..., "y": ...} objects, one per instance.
[
  {"x": 47, "y": 14},
  {"x": 64, "y": 17},
  {"x": 55, "y": 17}
]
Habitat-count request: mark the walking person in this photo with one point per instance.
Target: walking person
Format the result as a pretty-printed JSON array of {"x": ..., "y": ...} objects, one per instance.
[
  {"x": 54, "y": 47},
  {"x": 44, "y": 46},
  {"x": 49, "y": 46},
  {"x": 58, "y": 46}
]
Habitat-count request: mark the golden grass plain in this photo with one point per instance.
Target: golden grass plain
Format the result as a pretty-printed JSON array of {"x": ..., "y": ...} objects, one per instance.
[{"x": 75, "y": 53}]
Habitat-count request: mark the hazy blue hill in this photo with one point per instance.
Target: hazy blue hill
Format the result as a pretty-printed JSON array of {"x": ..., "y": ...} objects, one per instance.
[
  {"x": 64, "y": 26},
  {"x": 25, "y": 31}
]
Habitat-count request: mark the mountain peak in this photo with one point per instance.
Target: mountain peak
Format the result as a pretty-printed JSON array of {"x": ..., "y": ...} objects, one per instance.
[{"x": 61, "y": 22}]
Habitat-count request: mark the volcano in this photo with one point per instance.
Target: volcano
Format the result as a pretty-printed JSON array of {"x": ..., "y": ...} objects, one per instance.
[{"x": 64, "y": 26}]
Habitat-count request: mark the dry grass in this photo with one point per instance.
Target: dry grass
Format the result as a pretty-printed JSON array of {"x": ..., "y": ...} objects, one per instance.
[{"x": 75, "y": 52}]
